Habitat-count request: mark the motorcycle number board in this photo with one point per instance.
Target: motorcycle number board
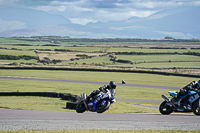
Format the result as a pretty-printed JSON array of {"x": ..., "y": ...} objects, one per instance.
[{"x": 193, "y": 98}]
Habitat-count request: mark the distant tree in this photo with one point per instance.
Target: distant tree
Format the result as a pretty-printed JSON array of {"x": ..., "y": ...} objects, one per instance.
[
  {"x": 168, "y": 37},
  {"x": 14, "y": 63}
]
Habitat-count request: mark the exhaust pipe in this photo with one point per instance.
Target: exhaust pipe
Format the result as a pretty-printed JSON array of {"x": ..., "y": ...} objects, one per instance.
[
  {"x": 165, "y": 98},
  {"x": 84, "y": 98}
]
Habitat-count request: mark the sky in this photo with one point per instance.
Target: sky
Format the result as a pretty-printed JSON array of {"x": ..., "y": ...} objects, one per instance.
[{"x": 85, "y": 11}]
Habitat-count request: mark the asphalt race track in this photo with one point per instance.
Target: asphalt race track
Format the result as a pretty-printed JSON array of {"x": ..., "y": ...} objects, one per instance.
[{"x": 11, "y": 119}]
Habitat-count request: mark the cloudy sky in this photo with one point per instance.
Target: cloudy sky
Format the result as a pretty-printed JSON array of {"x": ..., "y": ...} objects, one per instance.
[{"x": 85, "y": 11}]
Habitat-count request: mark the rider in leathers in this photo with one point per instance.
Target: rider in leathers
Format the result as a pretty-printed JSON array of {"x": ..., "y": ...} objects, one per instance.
[
  {"x": 193, "y": 86},
  {"x": 111, "y": 87}
]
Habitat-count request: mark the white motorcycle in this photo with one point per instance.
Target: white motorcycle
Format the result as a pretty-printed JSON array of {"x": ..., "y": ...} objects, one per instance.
[{"x": 100, "y": 103}]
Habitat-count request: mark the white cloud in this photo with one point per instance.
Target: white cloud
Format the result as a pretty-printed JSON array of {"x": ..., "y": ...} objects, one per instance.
[
  {"x": 141, "y": 14},
  {"x": 195, "y": 3},
  {"x": 127, "y": 28},
  {"x": 148, "y": 5},
  {"x": 84, "y": 11},
  {"x": 82, "y": 21},
  {"x": 74, "y": 7},
  {"x": 8, "y": 2}
]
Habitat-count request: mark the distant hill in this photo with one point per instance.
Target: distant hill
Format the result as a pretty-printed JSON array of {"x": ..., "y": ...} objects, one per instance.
[
  {"x": 180, "y": 22},
  {"x": 184, "y": 22},
  {"x": 30, "y": 17}
]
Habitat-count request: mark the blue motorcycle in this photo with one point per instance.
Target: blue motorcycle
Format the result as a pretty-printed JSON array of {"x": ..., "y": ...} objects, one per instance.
[
  {"x": 100, "y": 103},
  {"x": 187, "y": 103}
]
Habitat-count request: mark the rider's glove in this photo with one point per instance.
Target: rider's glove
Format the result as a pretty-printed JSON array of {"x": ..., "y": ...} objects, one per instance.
[{"x": 103, "y": 89}]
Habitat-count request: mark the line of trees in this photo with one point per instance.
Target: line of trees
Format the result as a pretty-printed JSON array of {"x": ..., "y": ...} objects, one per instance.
[
  {"x": 68, "y": 39},
  {"x": 13, "y": 57},
  {"x": 142, "y": 53}
]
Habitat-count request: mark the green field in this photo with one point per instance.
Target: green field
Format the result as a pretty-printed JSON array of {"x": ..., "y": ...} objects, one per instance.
[
  {"x": 160, "y": 58},
  {"x": 39, "y": 47},
  {"x": 16, "y": 52},
  {"x": 146, "y": 61},
  {"x": 184, "y": 55},
  {"x": 180, "y": 66},
  {"x": 135, "y": 78},
  {"x": 56, "y": 48},
  {"x": 150, "y": 50}
]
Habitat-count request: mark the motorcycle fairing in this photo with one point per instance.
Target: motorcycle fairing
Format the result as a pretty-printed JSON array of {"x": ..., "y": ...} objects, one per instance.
[
  {"x": 95, "y": 103},
  {"x": 194, "y": 97},
  {"x": 104, "y": 102},
  {"x": 173, "y": 93},
  {"x": 92, "y": 105}
]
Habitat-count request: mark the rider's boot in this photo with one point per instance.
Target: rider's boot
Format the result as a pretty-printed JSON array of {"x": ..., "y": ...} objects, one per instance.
[
  {"x": 176, "y": 101},
  {"x": 179, "y": 102},
  {"x": 95, "y": 92},
  {"x": 189, "y": 107},
  {"x": 87, "y": 100}
]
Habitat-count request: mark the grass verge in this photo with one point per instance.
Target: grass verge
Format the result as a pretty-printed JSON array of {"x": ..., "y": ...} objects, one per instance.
[
  {"x": 98, "y": 131},
  {"x": 134, "y": 78}
]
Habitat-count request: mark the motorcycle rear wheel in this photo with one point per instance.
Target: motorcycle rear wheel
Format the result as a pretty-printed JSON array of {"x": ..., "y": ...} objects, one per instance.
[
  {"x": 80, "y": 108},
  {"x": 100, "y": 108},
  {"x": 196, "y": 108},
  {"x": 165, "y": 109}
]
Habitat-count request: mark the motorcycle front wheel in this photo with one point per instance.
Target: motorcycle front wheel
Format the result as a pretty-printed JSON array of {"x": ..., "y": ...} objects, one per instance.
[
  {"x": 102, "y": 106},
  {"x": 196, "y": 108},
  {"x": 165, "y": 109},
  {"x": 80, "y": 108}
]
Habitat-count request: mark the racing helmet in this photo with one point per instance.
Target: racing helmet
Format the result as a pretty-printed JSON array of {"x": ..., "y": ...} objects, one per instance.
[
  {"x": 113, "y": 84},
  {"x": 199, "y": 83}
]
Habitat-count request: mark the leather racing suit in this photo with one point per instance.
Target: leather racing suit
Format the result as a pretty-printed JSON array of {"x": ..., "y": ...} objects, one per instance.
[{"x": 104, "y": 90}]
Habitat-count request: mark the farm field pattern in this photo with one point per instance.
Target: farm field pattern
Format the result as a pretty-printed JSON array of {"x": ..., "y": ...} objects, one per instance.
[{"x": 178, "y": 56}]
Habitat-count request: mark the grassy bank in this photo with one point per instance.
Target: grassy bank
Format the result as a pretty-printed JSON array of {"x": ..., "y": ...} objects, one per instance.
[{"x": 135, "y": 78}]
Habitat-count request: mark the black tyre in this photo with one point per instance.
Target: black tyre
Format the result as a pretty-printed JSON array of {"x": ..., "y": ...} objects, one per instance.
[
  {"x": 80, "y": 108},
  {"x": 196, "y": 108},
  {"x": 102, "y": 106},
  {"x": 165, "y": 109}
]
